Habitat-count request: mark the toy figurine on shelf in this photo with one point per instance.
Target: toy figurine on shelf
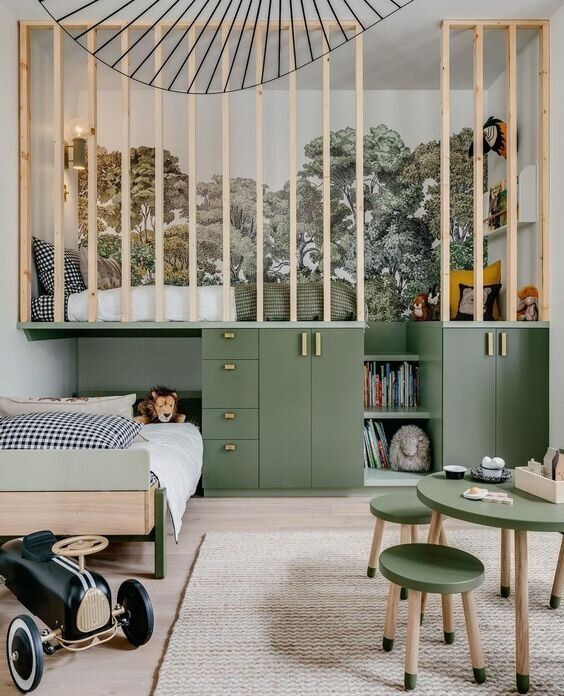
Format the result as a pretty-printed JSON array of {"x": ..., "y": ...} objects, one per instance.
[
  {"x": 420, "y": 310},
  {"x": 434, "y": 302},
  {"x": 528, "y": 307}
]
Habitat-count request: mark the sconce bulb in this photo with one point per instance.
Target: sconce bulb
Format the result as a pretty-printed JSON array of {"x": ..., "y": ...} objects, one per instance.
[{"x": 77, "y": 128}]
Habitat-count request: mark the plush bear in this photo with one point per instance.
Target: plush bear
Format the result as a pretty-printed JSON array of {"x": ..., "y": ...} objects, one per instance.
[
  {"x": 160, "y": 406},
  {"x": 528, "y": 307},
  {"x": 420, "y": 308}
]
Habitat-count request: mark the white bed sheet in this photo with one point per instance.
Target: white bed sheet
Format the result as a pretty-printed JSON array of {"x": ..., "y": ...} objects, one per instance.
[
  {"x": 176, "y": 304},
  {"x": 176, "y": 451}
]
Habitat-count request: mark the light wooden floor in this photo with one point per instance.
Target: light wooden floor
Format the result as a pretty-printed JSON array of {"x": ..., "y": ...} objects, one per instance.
[{"x": 117, "y": 669}]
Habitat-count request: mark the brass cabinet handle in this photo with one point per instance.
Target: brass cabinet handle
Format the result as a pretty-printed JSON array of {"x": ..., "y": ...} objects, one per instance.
[
  {"x": 317, "y": 345},
  {"x": 229, "y": 448},
  {"x": 490, "y": 344},
  {"x": 503, "y": 344},
  {"x": 229, "y": 366},
  {"x": 229, "y": 334},
  {"x": 304, "y": 344},
  {"x": 229, "y": 416}
]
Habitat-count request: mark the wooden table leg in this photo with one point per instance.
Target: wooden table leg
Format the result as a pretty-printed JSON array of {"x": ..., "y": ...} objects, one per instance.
[
  {"x": 446, "y": 601},
  {"x": 521, "y": 612},
  {"x": 375, "y": 548},
  {"x": 432, "y": 538},
  {"x": 558, "y": 584},
  {"x": 505, "y": 579}
]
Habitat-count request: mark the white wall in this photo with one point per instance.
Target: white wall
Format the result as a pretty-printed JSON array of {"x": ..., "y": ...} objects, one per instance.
[{"x": 47, "y": 367}]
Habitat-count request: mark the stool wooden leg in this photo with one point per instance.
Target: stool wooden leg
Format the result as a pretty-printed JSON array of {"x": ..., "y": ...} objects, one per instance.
[
  {"x": 474, "y": 642},
  {"x": 375, "y": 548},
  {"x": 414, "y": 534},
  {"x": 432, "y": 538},
  {"x": 558, "y": 585},
  {"x": 412, "y": 644},
  {"x": 405, "y": 538},
  {"x": 446, "y": 601},
  {"x": 505, "y": 580},
  {"x": 391, "y": 617}
]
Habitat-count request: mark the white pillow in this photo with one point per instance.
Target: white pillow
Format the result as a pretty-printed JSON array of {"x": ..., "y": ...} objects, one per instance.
[{"x": 95, "y": 405}]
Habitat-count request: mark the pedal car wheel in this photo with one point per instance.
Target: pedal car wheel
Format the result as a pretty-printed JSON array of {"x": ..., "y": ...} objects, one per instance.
[
  {"x": 135, "y": 599},
  {"x": 25, "y": 653}
]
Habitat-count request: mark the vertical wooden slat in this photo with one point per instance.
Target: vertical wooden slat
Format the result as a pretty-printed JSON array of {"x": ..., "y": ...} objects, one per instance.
[
  {"x": 92, "y": 179},
  {"x": 511, "y": 282},
  {"x": 192, "y": 210},
  {"x": 359, "y": 99},
  {"x": 445, "y": 171},
  {"x": 159, "y": 183},
  {"x": 478, "y": 173},
  {"x": 226, "y": 184},
  {"x": 260, "y": 175},
  {"x": 25, "y": 175},
  {"x": 326, "y": 126},
  {"x": 293, "y": 186},
  {"x": 58, "y": 170},
  {"x": 544, "y": 178},
  {"x": 125, "y": 183}
]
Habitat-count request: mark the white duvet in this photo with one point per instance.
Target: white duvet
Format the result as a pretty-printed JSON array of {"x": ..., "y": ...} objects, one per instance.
[
  {"x": 176, "y": 451},
  {"x": 176, "y": 304}
]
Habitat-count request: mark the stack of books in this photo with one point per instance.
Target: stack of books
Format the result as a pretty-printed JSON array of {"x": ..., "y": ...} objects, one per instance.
[
  {"x": 376, "y": 450},
  {"x": 388, "y": 385}
]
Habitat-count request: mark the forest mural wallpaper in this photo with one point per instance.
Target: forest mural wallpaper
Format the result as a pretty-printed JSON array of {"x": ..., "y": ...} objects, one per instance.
[{"x": 402, "y": 223}]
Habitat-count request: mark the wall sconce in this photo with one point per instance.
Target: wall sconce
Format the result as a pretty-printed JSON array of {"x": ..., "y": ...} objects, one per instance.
[{"x": 77, "y": 131}]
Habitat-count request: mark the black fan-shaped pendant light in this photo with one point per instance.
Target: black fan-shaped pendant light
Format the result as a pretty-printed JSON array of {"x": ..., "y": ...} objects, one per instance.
[{"x": 214, "y": 46}]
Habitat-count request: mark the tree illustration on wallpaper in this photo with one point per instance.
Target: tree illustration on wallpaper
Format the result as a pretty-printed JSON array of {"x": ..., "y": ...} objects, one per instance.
[{"x": 402, "y": 217}]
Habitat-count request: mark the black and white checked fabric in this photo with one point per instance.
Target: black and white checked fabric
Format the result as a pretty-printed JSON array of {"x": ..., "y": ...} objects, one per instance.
[
  {"x": 44, "y": 255},
  {"x": 52, "y": 430},
  {"x": 43, "y": 308}
]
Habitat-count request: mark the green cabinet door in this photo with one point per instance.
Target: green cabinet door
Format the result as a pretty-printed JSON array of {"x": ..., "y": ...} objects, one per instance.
[
  {"x": 469, "y": 395},
  {"x": 337, "y": 411},
  {"x": 285, "y": 408},
  {"x": 522, "y": 395}
]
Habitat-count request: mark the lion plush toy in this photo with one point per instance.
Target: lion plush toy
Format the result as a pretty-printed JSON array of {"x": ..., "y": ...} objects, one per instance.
[
  {"x": 528, "y": 307},
  {"x": 160, "y": 406}
]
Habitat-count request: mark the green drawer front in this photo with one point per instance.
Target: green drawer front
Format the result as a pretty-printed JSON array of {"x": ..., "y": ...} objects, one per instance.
[
  {"x": 240, "y": 423},
  {"x": 231, "y": 469},
  {"x": 230, "y": 343},
  {"x": 230, "y": 388}
]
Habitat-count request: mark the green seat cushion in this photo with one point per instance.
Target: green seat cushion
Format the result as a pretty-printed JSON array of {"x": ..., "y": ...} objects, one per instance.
[
  {"x": 400, "y": 508},
  {"x": 432, "y": 568}
]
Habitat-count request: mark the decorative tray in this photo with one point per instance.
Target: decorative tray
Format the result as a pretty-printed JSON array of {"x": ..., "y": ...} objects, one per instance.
[{"x": 476, "y": 475}]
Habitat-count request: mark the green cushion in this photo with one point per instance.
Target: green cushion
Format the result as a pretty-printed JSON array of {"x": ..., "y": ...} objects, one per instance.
[
  {"x": 401, "y": 508},
  {"x": 432, "y": 568}
]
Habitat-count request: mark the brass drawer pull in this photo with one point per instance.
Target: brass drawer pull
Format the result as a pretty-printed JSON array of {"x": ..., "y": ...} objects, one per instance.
[
  {"x": 490, "y": 344},
  {"x": 229, "y": 448},
  {"x": 304, "y": 344},
  {"x": 503, "y": 344},
  {"x": 229, "y": 366},
  {"x": 229, "y": 416},
  {"x": 317, "y": 345},
  {"x": 229, "y": 334}
]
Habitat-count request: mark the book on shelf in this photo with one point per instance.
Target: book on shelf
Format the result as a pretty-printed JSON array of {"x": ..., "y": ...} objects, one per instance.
[
  {"x": 389, "y": 385},
  {"x": 376, "y": 449}
]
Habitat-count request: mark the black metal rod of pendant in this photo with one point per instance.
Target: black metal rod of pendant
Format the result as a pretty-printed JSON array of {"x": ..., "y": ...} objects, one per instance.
[{"x": 225, "y": 34}]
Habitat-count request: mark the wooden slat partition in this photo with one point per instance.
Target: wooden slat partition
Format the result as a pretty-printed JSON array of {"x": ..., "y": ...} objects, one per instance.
[
  {"x": 445, "y": 172},
  {"x": 58, "y": 170},
  {"x": 92, "y": 179},
  {"x": 259, "y": 92},
  {"x": 192, "y": 209},
  {"x": 544, "y": 178},
  {"x": 478, "y": 172},
  {"x": 326, "y": 127},
  {"x": 359, "y": 119},
  {"x": 159, "y": 181},
  {"x": 125, "y": 184},
  {"x": 293, "y": 189},
  {"x": 512, "y": 195},
  {"x": 25, "y": 175},
  {"x": 226, "y": 185}
]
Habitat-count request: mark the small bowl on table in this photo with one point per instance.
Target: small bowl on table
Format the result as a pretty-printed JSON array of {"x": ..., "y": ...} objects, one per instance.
[{"x": 455, "y": 472}]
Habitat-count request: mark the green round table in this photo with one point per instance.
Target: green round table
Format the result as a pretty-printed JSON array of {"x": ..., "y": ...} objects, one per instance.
[{"x": 527, "y": 514}]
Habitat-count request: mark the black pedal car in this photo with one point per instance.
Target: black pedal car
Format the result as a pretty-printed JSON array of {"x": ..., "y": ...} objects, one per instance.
[{"x": 75, "y": 603}]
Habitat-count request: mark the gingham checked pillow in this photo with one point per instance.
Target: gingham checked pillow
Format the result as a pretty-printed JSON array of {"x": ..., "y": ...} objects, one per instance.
[
  {"x": 44, "y": 255},
  {"x": 51, "y": 430}
]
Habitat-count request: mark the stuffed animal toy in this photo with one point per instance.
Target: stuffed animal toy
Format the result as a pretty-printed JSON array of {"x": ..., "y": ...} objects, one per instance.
[
  {"x": 160, "y": 406},
  {"x": 420, "y": 308},
  {"x": 434, "y": 302},
  {"x": 528, "y": 307},
  {"x": 410, "y": 450},
  {"x": 495, "y": 138}
]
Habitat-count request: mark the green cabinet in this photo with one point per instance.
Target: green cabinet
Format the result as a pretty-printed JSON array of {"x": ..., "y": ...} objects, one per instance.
[{"x": 495, "y": 394}]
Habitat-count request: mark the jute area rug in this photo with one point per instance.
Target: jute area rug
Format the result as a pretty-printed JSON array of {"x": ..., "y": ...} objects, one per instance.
[{"x": 294, "y": 613}]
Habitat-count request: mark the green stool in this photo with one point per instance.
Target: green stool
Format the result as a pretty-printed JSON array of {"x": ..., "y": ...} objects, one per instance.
[
  {"x": 437, "y": 570},
  {"x": 404, "y": 509},
  {"x": 558, "y": 585}
]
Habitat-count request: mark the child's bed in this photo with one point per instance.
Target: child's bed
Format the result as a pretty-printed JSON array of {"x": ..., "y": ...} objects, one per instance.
[{"x": 121, "y": 494}]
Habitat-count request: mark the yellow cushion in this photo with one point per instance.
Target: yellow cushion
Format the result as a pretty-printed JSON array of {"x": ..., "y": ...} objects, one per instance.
[{"x": 492, "y": 276}]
